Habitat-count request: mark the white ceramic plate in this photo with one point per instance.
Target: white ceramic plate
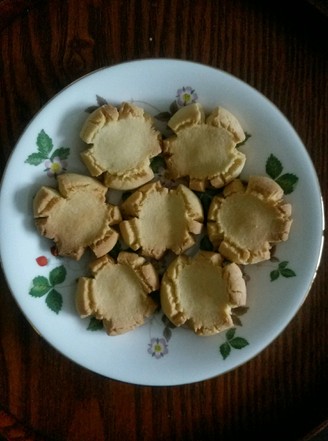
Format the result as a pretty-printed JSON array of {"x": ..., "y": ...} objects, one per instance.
[{"x": 156, "y": 354}]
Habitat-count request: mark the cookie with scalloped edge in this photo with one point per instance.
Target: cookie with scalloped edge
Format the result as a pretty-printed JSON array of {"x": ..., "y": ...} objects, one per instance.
[
  {"x": 121, "y": 143},
  {"x": 245, "y": 222},
  {"x": 204, "y": 148},
  {"x": 157, "y": 219},
  {"x": 76, "y": 216},
  {"x": 200, "y": 292},
  {"x": 118, "y": 293}
]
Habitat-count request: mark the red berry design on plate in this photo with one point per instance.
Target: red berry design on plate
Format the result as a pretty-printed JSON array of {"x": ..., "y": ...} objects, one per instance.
[{"x": 42, "y": 260}]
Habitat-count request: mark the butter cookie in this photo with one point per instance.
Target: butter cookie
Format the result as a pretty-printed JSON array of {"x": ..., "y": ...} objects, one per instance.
[
  {"x": 200, "y": 292},
  {"x": 121, "y": 143},
  {"x": 248, "y": 219},
  {"x": 159, "y": 219},
  {"x": 76, "y": 216},
  {"x": 204, "y": 149},
  {"x": 118, "y": 292}
]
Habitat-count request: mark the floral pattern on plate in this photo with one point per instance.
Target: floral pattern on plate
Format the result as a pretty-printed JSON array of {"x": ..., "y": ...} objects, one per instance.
[{"x": 55, "y": 162}]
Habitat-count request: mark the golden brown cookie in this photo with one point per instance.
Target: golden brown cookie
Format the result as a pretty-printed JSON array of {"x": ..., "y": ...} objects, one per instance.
[
  {"x": 118, "y": 292},
  {"x": 247, "y": 220},
  {"x": 159, "y": 219},
  {"x": 76, "y": 216},
  {"x": 122, "y": 142},
  {"x": 204, "y": 149},
  {"x": 200, "y": 292}
]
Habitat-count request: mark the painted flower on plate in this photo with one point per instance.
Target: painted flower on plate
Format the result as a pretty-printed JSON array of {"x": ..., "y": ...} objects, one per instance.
[
  {"x": 55, "y": 166},
  {"x": 186, "y": 95},
  {"x": 158, "y": 347}
]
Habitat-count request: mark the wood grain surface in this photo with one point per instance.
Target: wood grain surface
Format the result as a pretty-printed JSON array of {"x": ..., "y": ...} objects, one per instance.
[{"x": 281, "y": 394}]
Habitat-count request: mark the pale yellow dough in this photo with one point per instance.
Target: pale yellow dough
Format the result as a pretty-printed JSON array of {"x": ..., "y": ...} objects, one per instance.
[
  {"x": 157, "y": 219},
  {"x": 118, "y": 292},
  {"x": 200, "y": 292},
  {"x": 247, "y": 220},
  {"x": 121, "y": 143},
  {"x": 76, "y": 216},
  {"x": 204, "y": 149}
]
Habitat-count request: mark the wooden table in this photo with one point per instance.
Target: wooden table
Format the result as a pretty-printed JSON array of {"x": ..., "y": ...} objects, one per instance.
[{"x": 281, "y": 394}]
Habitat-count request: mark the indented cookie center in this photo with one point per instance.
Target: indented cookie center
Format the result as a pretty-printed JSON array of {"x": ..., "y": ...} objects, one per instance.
[
  {"x": 200, "y": 151},
  {"x": 78, "y": 219},
  {"x": 202, "y": 291},
  {"x": 163, "y": 218},
  {"x": 108, "y": 288},
  {"x": 123, "y": 145},
  {"x": 246, "y": 220}
]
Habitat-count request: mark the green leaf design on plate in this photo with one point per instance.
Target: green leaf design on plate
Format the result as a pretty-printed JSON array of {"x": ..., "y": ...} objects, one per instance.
[
  {"x": 287, "y": 272},
  {"x": 55, "y": 162},
  {"x": 238, "y": 342},
  {"x": 230, "y": 333},
  {"x": 35, "y": 159},
  {"x": 238, "y": 312},
  {"x": 287, "y": 182},
  {"x": 54, "y": 301},
  {"x": 167, "y": 334},
  {"x": 42, "y": 285},
  {"x": 232, "y": 342},
  {"x": 282, "y": 270},
  {"x": 91, "y": 109},
  {"x": 274, "y": 275},
  {"x": 167, "y": 331},
  {"x": 61, "y": 152},
  {"x": 225, "y": 350},
  {"x": 274, "y": 169},
  {"x": 44, "y": 143},
  {"x": 95, "y": 324},
  {"x": 57, "y": 275},
  {"x": 101, "y": 101},
  {"x": 236, "y": 320}
]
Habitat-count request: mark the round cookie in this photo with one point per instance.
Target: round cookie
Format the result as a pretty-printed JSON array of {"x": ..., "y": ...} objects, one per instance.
[
  {"x": 159, "y": 219},
  {"x": 121, "y": 143},
  {"x": 200, "y": 292},
  {"x": 76, "y": 216},
  {"x": 248, "y": 219},
  {"x": 204, "y": 149},
  {"x": 118, "y": 292}
]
